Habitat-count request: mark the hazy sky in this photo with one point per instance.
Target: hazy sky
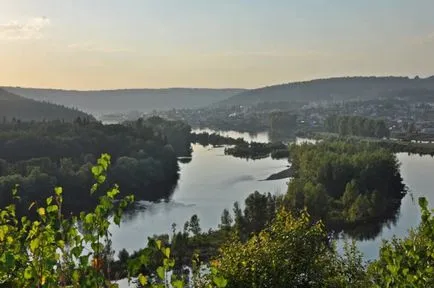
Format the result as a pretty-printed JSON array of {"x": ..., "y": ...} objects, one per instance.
[{"x": 92, "y": 44}]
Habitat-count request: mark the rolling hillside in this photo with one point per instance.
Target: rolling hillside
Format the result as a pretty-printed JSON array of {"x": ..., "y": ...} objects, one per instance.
[
  {"x": 337, "y": 89},
  {"x": 121, "y": 101},
  {"x": 20, "y": 108}
]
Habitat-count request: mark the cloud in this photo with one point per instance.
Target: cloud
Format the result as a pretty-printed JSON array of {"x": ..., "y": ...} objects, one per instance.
[
  {"x": 93, "y": 47},
  {"x": 31, "y": 29}
]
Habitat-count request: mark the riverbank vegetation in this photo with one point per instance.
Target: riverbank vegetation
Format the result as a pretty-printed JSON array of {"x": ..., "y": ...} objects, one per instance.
[
  {"x": 256, "y": 150},
  {"x": 39, "y": 156},
  {"x": 394, "y": 145},
  {"x": 241, "y": 148},
  {"x": 215, "y": 139}
]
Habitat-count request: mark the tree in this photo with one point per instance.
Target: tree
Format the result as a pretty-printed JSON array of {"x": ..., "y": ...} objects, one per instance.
[
  {"x": 408, "y": 262},
  {"x": 194, "y": 226},
  {"x": 255, "y": 212},
  {"x": 226, "y": 220},
  {"x": 123, "y": 256},
  {"x": 291, "y": 252}
]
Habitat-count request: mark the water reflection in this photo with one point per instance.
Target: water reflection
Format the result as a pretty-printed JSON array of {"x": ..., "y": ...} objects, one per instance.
[
  {"x": 208, "y": 184},
  {"x": 417, "y": 174},
  {"x": 261, "y": 137},
  {"x": 211, "y": 182},
  {"x": 370, "y": 231}
]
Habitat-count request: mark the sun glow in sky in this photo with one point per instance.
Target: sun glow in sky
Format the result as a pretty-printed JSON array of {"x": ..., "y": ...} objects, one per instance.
[{"x": 103, "y": 44}]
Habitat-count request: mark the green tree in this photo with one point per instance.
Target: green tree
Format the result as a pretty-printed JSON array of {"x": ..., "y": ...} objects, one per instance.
[
  {"x": 194, "y": 225},
  {"x": 226, "y": 220},
  {"x": 408, "y": 262},
  {"x": 291, "y": 252}
]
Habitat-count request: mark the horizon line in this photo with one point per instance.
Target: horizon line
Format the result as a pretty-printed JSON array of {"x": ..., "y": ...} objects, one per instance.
[{"x": 216, "y": 88}]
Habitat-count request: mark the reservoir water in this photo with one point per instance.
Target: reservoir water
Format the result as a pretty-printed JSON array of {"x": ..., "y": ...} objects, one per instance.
[{"x": 213, "y": 181}]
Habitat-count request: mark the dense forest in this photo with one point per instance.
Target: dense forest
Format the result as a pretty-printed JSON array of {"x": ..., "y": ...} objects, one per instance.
[
  {"x": 357, "y": 126},
  {"x": 337, "y": 89},
  {"x": 126, "y": 100},
  {"x": 345, "y": 184},
  {"x": 17, "y": 108},
  {"x": 39, "y": 156}
]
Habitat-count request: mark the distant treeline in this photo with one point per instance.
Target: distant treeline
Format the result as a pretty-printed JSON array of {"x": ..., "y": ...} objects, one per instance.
[
  {"x": 256, "y": 150},
  {"x": 356, "y": 126},
  {"x": 14, "y": 108},
  {"x": 396, "y": 146},
  {"x": 215, "y": 139},
  {"x": 241, "y": 148},
  {"x": 38, "y": 156}
]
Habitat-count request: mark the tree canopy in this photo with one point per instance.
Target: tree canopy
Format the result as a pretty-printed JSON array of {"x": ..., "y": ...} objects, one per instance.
[
  {"x": 345, "y": 183},
  {"x": 39, "y": 156}
]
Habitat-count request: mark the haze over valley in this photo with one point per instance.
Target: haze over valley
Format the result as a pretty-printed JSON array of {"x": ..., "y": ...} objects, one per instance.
[{"x": 216, "y": 144}]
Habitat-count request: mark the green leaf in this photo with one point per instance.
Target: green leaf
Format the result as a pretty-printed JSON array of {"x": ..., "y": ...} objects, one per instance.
[
  {"x": 158, "y": 244},
  {"x": 76, "y": 276},
  {"x": 101, "y": 179},
  {"x": 178, "y": 284},
  {"x": 143, "y": 280},
  {"x": 58, "y": 191},
  {"x": 89, "y": 218},
  {"x": 160, "y": 272},
  {"x": 117, "y": 220},
  {"x": 49, "y": 200},
  {"x": 219, "y": 281},
  {"x": 94, "y": 188},
  {"x": 28, "y": 273},
  {"x": 113, "y": 192},
  {"x": 167, "y": 252},
  {"x": 96, "y": 171},
  {"x": 61, "y": 243},
  {"x": 52, "y": 208},
  {"x": 34, "y": 244}
]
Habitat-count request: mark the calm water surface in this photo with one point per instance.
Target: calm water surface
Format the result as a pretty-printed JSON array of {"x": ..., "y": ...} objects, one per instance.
[
  {"x": 208, "y": 184},
  {"x": 212, "y": 182},
  {"x": 418, "y": 174}
]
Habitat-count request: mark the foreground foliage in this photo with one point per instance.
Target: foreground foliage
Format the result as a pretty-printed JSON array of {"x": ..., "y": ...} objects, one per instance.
[
  {"x": 53, "y": 251},
  {"x": 291, "y": 252},
  {"x": 408, "y": 262},
  {"x": 59, "y": 251}
]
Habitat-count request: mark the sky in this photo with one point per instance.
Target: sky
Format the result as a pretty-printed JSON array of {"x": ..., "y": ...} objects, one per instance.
[{"x": 108, "y": 44}]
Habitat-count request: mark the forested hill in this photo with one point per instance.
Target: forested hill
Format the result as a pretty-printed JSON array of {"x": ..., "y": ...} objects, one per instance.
[
  {"x": 126, "y": 100},
  {"x": 14, "y": 106},
  {"x": 338, "y": 89}
]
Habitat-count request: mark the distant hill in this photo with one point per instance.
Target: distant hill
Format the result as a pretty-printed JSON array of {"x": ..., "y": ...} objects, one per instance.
[
  {"x": 121, "y": 101},
  {"x": 20, "y": 108},
  {"x": 345, "y": 88}
]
